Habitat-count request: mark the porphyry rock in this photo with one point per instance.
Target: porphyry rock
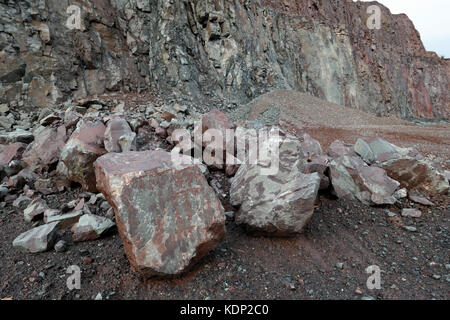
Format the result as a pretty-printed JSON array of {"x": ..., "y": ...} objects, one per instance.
[
  {"x": 352, "y": 178},
  {"x": 167, "y": 215},
  {"x": 417, "y": 175},
  {"x": 83, "y": 148},
  {"x": 11, "y": 152},
  {"x": 38, "y": 239},
  {"x": 90, "y": 227},
  {"x": 276, "y": 204},
  {"x": 35, "y": 210},
  {"x": 46, "y": 147},
  {"x": 339, "y": 148}
]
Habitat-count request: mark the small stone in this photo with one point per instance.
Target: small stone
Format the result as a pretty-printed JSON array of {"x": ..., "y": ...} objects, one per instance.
[
  {"x": 98, "y": 296},
  {"x": 340, "y": 265},
  {"x": 436, "y": 276},
  {"x": 412, "y": 213},
  {"x": 38, "y": 239},
  {"x": 22, "y": 202},
  {"x": 60, "y": 246}
]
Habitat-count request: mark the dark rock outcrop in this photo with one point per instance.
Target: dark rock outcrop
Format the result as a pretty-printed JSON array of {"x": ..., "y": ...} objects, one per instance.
[{"x": 230, "y": 50}]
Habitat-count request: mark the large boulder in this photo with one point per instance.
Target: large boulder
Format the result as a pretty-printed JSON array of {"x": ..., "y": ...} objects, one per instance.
[
  {"x": 416, "y": 175},
  {"x": 46, "y": 148},
  {"x": 167, "y": 215},
  {"x": 118, "y": 136},
  {"x": 279, "y": 204},
  {"x": 38, "y": 239},
  {"x": 352, "y": 178},
  {"x": 83, "y": 148}
]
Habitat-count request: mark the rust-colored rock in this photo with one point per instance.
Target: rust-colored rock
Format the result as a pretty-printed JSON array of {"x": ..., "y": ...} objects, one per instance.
[
  {"x": 83, "y": 148},
  {"x": 46, "y": 147},
  {"x": 167, "y": 215}
]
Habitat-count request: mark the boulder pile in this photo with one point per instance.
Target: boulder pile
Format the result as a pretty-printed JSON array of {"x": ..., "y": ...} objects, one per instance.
[{"x": 169, "y": 214}]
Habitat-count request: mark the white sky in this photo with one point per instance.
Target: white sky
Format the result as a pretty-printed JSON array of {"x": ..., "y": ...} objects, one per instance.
[{"x": 430, "y": 17}]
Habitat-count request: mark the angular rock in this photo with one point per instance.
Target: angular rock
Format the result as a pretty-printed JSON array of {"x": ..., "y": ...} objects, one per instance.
[
  {"x": 338, "y": 148},
  {"x": 420, "y": 199},
  {"x": 90, "y": 227},
  {"x": 352, "y": 178},
  {"x": 22, "y": 202},
  {"x": 320, "y": 165},
  {"x": 362, "y": 148},
  {"x": 118, "y": 136},
  {"x": 18, "y": 135},
  {"x": 167, "y": 215},
  {"x": 379, "y": 150},
  {"x": 38, "y": 239},
  {"x": 311, "y": 147},
  {"x": 412, "y": 213},
  {"x": 417, "y": 176},
  {"x": 447, "y": 175},
  {"x": 46, "y": 148},
  {"x": 280, "y": 204},
  {"x": 50, "y": 213},
  {"x": 11, "y": 152},
  {"x": 83, "y": 148},
  {"x": 66, "y": 221},
  {"x": 35, "y": 210}
]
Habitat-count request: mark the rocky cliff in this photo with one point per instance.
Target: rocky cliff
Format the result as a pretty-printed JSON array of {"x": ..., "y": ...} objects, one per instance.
[{"x": 219, "y": 50}]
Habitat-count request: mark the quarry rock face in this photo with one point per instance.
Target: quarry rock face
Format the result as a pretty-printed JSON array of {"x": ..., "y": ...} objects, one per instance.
[
  {"x": 353, "y": 179},
  {"x": 167, "y": 215},
  {"x": 235, "y": 50},
  {"x": 83, "y": 148},
  {"x": 278, "y": 204}
]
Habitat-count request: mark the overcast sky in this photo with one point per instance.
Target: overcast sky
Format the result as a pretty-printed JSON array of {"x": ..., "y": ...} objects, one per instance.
[{"x": 430, "y": 17}]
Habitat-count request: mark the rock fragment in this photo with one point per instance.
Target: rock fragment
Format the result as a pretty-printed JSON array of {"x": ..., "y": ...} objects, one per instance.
[{"x": 38, "y": 239}]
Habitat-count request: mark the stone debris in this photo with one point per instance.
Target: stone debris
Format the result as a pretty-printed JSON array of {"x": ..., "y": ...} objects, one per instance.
[
  {"x": 279, "y": 204},
  {"x": 412, "y": 213},
  {"x": 90, "y": 227},
  {"x": 417, "y": 175},
  {"x": 83, "y": 148},
  {"x": 35, "y": 210},
  {"x": 421, "y": 200},
  {"x": 338, "y": 148},
  {"x": 38, "y": 239},
  {"x": 352, "y": 178},
  {"x": 167, "y": 215},
  {"x": 46, "y": 148},
  {"x": 67, "y": 220},
  {"x": 118, "y": 136}
]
